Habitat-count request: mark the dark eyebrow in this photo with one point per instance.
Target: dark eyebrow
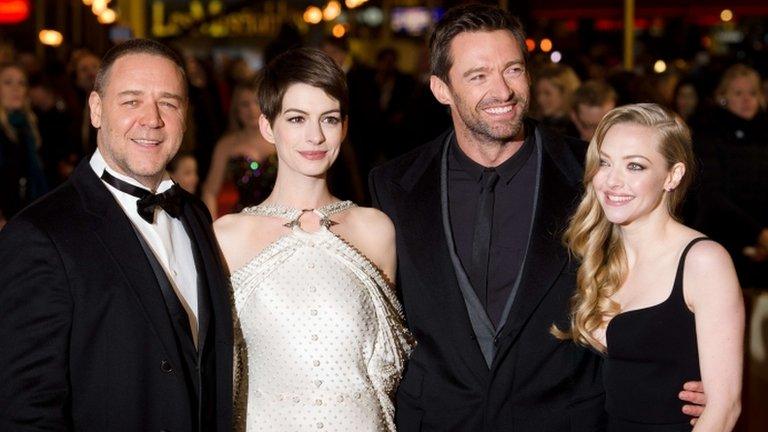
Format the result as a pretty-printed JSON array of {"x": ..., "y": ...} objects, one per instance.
[
  {"x": 296, "y": 110},
  {"x": 486, "y": 69},
  {"x": 473, "y": 70},
  {"x": 306, "y": 113}
]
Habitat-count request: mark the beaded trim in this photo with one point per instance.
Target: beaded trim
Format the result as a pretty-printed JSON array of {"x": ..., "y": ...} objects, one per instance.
[{"x": 293, "y": 214}]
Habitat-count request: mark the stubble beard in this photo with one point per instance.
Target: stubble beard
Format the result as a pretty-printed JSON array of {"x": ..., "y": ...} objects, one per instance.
[
  {"x": 484, "y": 132},
  {"x": 145, "y": 172}
]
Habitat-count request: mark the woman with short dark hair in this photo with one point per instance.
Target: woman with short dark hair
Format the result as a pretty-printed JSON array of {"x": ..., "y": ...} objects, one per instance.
[{"x": 322, "y": 341}]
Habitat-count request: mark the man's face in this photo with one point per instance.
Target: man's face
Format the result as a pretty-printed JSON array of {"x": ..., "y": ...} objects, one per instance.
[
  {"x": 587, "y": 117},
  {"x": 489, "y": 87},
  {"x": 140, "y": 116}
]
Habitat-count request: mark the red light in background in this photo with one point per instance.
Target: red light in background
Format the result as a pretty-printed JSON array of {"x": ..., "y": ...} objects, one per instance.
[
  {"x": 530, "y": 44},
  {"x": 13, "y": 11}
]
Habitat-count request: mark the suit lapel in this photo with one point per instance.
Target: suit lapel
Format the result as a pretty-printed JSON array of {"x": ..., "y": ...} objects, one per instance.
[
  {"x": 546, "y": 256},
  {"x": 114, "y": 229},
  {"x": 420, "y": 225},
  {"x": 207, "y": 279}
]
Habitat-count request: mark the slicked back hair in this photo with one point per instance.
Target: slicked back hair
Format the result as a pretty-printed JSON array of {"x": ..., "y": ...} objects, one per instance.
[
  {"x": 469, "y": 18},
  {"x": 135, "y": 46},
  {"x": 306, "y": 66}
]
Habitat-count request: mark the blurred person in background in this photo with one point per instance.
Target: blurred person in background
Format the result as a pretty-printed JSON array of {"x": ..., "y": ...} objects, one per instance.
[
  {"x": 358, "y": 152},
  {"x": 395, "y": 94},
  {"x": 243, "y": 166},
  {"x": 733, "y": 147},
  {"x": 208, "y": 120},
  {"x": 552, "y": 91},
  {"x": 59, "y": 154},
  {"x": 685, "y": 101},
  {"x": 589, "y": 103},
  {"x": 183, "y": 170},
  {"x": 83, "y": 66},
  {"x": 22, "y": 179}
]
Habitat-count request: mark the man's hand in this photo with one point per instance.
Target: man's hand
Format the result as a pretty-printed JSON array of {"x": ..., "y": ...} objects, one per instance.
[{"x": 693, "y": 393}]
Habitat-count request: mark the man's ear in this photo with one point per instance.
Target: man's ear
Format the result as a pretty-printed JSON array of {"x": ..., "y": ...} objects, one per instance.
[
  {"x": 266, "y": 129},
  {"x": 94, "y": 103},
  {"x": 440, "y": 90}
]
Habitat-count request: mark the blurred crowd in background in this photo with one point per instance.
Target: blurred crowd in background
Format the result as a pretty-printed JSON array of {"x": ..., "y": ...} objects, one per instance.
[
  {"x": 45, "y": 129},
  {"x": 45, "y": 132}
]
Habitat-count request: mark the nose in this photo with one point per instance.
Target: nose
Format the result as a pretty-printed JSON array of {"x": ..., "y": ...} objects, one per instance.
[
  {"x": 151, "y": 117},
  {"x": 314, "y": 133},
  {"x": 500, "y": 88},
  {"x": 614, "y": 178}
]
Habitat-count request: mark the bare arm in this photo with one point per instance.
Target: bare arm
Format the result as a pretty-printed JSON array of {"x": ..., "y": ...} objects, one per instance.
[
  {"x": 374, "y": 235},
  {"x": 712, "y": 290}
]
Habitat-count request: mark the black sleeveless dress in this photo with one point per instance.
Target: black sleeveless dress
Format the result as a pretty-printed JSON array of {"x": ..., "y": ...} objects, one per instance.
[{"x": 651, "y": 353}]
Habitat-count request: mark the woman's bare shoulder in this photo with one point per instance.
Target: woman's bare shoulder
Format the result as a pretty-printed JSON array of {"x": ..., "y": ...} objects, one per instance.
[{"x": 370, "y": 220}]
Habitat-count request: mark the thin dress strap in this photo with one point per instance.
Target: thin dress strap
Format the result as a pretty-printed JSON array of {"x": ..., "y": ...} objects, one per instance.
[{"x": 677, "y": 287}]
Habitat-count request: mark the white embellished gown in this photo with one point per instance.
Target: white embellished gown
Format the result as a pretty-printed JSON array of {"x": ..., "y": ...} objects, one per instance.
[{"x": 321, "y": 341}]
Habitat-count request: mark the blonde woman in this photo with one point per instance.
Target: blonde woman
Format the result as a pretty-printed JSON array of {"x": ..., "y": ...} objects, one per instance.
[
  {"x": 21, "y": 174},
  {"x": 554, "y": 87},
  {"x": 659, "y": 300}
]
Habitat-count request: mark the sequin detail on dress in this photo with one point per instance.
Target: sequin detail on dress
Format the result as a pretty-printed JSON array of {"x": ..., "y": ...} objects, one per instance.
[{"x": 322, "y": 342}]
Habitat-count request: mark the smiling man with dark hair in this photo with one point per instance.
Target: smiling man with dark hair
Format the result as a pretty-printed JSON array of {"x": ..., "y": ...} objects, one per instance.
[{"x": 114, "y": 311}]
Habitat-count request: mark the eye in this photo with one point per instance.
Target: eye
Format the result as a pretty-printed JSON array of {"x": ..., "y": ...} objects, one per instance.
[
  {"x": 634, "y": 166},
  {"x": 130, "y": 103},
  {"x": 332, "y": 120},
  {"x": 168, "y": 105},
  {"x": 604, "y": 163},
  {"x": 515, "y": 70},
  {"x": 477, "y": 77},
  {"x": 296, "y": 119}
]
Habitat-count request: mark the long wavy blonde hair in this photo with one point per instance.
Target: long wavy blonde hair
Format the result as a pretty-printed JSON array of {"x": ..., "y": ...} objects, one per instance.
[
  {"x": 597, "y": 242},
  {"x": 26, "y": 109}
]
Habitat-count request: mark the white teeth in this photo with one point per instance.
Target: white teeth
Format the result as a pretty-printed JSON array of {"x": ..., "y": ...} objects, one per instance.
[
  {"x": 618, "y": 198},
  {"x": 146, "y": 142},
  {"x": 499, "y": 110}
]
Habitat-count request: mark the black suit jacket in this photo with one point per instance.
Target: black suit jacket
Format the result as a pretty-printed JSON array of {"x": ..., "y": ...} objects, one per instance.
[
  {"x": 536, "y": 382},
  {"x": 89, "y": 342}
]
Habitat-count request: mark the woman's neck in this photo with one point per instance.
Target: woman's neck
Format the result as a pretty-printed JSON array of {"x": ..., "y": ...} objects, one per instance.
[
  {"x": 298, "y": 191},
  {"x": 643, "y": 237}
]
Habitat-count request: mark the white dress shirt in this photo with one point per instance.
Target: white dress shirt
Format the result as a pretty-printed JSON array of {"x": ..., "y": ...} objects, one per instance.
[{"x": 166, "y": 237}]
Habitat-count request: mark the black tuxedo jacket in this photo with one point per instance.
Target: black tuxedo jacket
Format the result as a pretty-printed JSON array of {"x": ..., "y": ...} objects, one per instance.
[
  {"x": 89, "y": 341},
  {"x": 536, "y": 382}
]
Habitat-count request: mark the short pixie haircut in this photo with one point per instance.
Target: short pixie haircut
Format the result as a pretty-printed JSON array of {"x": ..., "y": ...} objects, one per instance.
[
  {"x": 469, "y": 18},
  {"x": 301, "y": 66},
  {"x": 135, "y": 46}
]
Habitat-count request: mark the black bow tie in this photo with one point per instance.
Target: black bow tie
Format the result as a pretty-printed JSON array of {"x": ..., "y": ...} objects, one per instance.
[{"x": 171, "y": 200}]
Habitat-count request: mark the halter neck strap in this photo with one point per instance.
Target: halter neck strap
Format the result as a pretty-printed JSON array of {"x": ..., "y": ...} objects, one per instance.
[{"x": 293, "y": 214}]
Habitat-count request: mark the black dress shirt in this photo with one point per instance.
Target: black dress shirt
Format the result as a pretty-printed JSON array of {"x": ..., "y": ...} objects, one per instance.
[{"x": 512, "y": 211}]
